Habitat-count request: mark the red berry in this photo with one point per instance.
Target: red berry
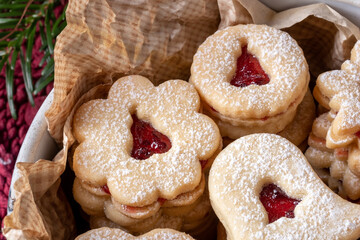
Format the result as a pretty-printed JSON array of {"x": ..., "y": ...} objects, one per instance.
[
  {"x": 146, "y": 140},
  {"x": 277, "y": 203},
  {"x": 248, "y": 71}
]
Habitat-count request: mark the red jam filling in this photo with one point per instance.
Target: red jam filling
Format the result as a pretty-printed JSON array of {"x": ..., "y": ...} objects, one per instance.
[
  {"x": 357, "y": 134},
  {"x": 105, "y": 188},
  {"x": 131, "y": 209},
  {"x": 161, "y": 201},
  {"x": 213, "y": 109},
  {"x": 341, "y": 152},
  {"x": 277, "y": 203},
  {"x": 248, "y": 71},
  {"x": 317, "y": 139},
  {"x": 146, "y": 140}
]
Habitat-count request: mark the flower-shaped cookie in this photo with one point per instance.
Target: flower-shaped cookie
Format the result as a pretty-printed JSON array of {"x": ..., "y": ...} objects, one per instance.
[
  {"x": 252, "y": 176},
  {"x": 339, "y": 90},
  {"x": 104, "y": 128},
  {"x": 113, "y": 233}
]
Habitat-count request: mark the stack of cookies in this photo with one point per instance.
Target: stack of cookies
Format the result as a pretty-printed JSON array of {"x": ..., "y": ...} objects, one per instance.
[
  {"x": 262, "y": 187},
  {"x": 334, "y": 141},
  {"x": 142, "y": 155},
  {"x": 253, "y": 79},
  {"x": 113, "y": 233}
]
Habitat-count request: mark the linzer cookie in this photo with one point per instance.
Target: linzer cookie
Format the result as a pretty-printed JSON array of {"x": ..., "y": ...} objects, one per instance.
[
  {"x": 334, "y": 166},
  {"x": 262, "y": 187},
  {"x": 142, "y": 152},
  {"x": 252, "y": 77},
  {"x": 296, "y": 131},
  {"x": 198, "y": 222},
  {"x": 337, "y": 146},
  {"x": 117, "y": 234},
  {"x": 339, "y": 91}
]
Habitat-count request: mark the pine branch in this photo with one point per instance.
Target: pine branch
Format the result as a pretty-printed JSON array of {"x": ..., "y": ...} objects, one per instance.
[{"x": 20, "y": 22}]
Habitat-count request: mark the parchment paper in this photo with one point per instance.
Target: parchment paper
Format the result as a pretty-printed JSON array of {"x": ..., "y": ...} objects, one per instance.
[{"x": 106, "y": 39}]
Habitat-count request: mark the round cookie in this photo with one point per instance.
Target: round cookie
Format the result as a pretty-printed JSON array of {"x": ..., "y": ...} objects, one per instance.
[
  {"x": 249, "y": 165},
  {"x": 197, "y": 220},
  {"x": 269, "y": 104},
  {"x": 296, "y": 132},
  {"x": 89, "y": 202},
  {"x": 117, "y": 234}
]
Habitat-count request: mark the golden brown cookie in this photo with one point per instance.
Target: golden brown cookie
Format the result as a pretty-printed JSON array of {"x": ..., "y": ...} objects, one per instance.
[
  {"x": 144, "y": 144},
  {"x": 296, "y": 131},
  {"x": 342, "y": 163},
  {"x": 253, "y": 76},
  {"x": 195, "y": 219},
  {"x": 339, "y": 90},
  {"x": 117, "y": 234},
  {"x": 257, "y": 169}
]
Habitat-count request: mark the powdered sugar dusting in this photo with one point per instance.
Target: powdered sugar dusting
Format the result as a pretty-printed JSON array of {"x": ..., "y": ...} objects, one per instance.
[
  {"x": 342, "y": 87},
  {"x": 246, "y": 165},
  {"x": 103, "y": 128},
  {"x": 117, "y": 234},
  {"x": 279, "y": 55}
]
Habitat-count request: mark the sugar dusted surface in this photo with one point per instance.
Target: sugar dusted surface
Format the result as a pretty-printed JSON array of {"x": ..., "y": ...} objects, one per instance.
[
  {"x": 321, "y": 125},
  {"x": 117, "y": 234},
  {"x": 342, "y": 87},
  {"x": 279, "y": 55},
  {"x": 237, "y": 177},
  {"x": 103, "y": 128}
]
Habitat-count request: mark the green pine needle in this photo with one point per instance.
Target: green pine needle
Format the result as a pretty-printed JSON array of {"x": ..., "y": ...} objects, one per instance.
[
  {"x": 19, "y": 21},
  {"x": 9, "y": 75},
  {"x": 49, "y": 38},
  {"x": 27, "y": 80}
]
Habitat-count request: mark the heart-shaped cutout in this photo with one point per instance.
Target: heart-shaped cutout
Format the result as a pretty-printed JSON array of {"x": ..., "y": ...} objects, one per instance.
[
  {"x": 248, "y": 71},
  {"x": 147, "y": 140},
  {"x": 244, "y": 167}
]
